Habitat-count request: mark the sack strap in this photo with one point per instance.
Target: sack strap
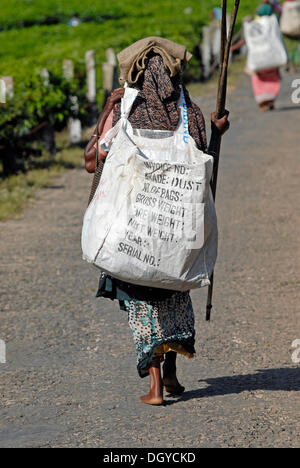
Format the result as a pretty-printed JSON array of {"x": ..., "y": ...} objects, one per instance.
[
  {"x": 126, "y": 105},
  {"x": 182, "y": 131},
  {"x": 127, "y": 101}
]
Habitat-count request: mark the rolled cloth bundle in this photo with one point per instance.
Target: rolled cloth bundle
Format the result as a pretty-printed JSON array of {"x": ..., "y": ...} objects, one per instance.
[{"x": 133, "y": 59}]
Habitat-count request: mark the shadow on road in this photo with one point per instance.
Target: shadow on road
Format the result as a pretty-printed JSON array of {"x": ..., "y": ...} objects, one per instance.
[
  {"x": 284, "y": 379},
  {"x": 287, "y": 108}
]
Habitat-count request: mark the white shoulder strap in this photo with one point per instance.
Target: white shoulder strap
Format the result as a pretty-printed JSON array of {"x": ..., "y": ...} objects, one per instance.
[
  {"x": 126, "y": 105},
  {"x": 127, "y": 101},
  {"x": 182, "y": 131}
]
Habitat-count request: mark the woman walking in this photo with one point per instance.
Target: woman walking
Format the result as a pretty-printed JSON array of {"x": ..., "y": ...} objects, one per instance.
[
  {"x": 162, "y": 321},
  {"x": 266, "y": 83}
]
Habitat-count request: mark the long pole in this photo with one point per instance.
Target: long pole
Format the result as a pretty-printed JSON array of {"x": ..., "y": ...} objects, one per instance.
[{"x": 220, "y": 111}]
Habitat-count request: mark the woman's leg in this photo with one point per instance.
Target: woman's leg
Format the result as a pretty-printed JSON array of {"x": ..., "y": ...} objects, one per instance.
[
  {"x": 267, "y": 105},
  {"x": 264, "y": 106},
  {"x": 154, "y": 326},
  {"x": 170, "y": 380},
  {"x": 155, "y": 395}
]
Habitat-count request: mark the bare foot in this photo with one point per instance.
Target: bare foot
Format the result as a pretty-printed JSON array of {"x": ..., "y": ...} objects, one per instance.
[
  {"x": 152, "y": 400},
  {"x": 155, "y": 395},
  {"x": 264, "y": 108}
]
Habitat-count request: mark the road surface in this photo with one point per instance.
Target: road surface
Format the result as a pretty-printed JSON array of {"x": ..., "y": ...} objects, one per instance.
[{"x": 70, "y": 378}]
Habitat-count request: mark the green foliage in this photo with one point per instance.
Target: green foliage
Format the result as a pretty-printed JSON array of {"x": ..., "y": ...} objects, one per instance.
[
  {"x": 20, "y": 13},
  {"x": 23, "y": 50},
  {"x": 32, "y": 106}
]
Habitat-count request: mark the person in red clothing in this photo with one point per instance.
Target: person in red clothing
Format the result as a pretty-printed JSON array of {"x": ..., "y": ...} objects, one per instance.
[{"x": 265, "y": 84}]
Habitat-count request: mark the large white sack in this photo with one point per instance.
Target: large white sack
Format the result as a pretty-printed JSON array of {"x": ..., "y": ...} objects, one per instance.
[
  {"x": 152, "y": 220},
  {"x": 265, "y": 45},
  {"x": 290, "y": 19}
]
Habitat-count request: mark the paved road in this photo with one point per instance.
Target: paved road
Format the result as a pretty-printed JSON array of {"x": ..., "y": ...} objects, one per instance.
[{"x": 70, "y": 378}]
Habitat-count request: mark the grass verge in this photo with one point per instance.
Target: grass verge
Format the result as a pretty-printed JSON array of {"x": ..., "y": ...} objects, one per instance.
[{"x": 17, "y": 190}]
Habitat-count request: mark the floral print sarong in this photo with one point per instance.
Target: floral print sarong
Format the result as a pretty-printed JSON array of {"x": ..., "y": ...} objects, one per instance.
[{"x": 161, "y": 326}]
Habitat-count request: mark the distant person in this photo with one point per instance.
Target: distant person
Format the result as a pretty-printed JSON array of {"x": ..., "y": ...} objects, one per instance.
[
  {"x": 265, "y": 83},
  {"x": 268, "y": 8},
  {"x": 75, "y": 20},
  {"x": 294, "y": 54}
]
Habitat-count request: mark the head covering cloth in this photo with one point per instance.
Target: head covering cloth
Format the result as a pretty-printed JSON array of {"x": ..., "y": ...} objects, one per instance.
[
  {"x": 133, "y": 59},
  {"x": 153, "y": 66}
]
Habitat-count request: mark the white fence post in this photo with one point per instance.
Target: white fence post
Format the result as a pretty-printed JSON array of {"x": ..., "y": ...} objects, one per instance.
[
  {"x": 68, "y": 69},
  {"x": 91, "y": 75},
  {"x": 91, "y": 86},
  {"x": 45, "y": 74},
  {"x": 2, "y": 91},
  {"x": 74, "y": 124},
  {"x": 8, "y": 87},
  {"x": 111, "y": 58},
  {"x": 110, "y": 77}
]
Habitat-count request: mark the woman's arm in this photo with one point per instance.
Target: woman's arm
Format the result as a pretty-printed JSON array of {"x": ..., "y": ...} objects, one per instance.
[
  {"x": 90, "y": 150},
  {"x": 238, "y": 45}
]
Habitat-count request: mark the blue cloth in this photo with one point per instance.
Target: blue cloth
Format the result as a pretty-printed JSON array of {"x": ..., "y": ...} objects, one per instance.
[
  {"x": 265, "y": 10},
  {"x": 217, "y": 12}
]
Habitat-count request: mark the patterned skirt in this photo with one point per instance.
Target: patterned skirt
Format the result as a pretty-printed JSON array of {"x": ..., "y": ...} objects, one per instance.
[{"x": 161, "y": 326}]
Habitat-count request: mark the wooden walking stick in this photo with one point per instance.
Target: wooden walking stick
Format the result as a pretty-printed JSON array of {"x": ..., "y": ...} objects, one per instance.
[{"x": 220, "y": 111}]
